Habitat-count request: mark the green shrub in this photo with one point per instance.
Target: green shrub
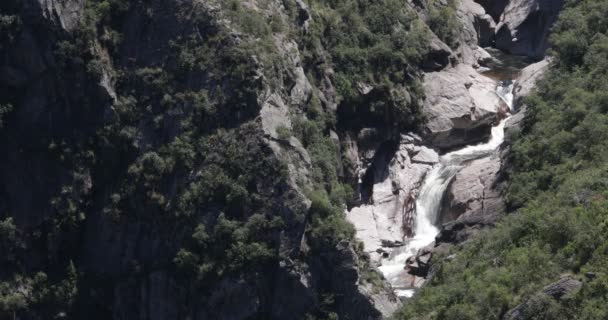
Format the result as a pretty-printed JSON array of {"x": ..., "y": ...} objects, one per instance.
[
  {"x": 443, "y": 22},
  {"x": 4, "y": 111}
]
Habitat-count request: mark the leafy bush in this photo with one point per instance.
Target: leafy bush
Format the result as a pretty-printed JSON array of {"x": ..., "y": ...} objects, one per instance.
[
  {"x": 4, "y": 111},
  {"x": 374, "y": 43},
  {"x": 229, "y": 246}
]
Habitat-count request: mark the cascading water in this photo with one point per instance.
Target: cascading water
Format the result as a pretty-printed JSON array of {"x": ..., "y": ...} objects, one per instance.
[
  {"x": 505, "y": 92},
  {"x": 431, "y": 193}
]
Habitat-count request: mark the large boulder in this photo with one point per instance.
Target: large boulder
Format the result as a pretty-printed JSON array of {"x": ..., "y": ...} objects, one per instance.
[
  {"x": 460, "y": 106},
  {"x": 472, "y": 202},
  {"x": 564, "y": 286},
  {"x": 474, "y": 191},
  {"x": 524, "y": 85},
  {"x": 527, "y": 79},
  {"x": 462, "y": 229},
  {"x": 524, "y": 26},
  {"x": 65, "y": 14},
  {"x": 438, "y": 56}
]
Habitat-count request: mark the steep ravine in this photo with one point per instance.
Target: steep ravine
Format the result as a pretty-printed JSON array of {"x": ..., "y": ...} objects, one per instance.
[
  {"x": 398, "y": 257},
  {"x": 402, "y": 262},
  {"x": 441, "y": 188},
  {"x": 186, "y": 159}
]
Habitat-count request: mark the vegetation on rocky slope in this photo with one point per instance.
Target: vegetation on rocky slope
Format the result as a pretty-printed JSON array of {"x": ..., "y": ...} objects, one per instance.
[
  {"x": 177, "y": 150},
  {"x": 557, "y": 189}
]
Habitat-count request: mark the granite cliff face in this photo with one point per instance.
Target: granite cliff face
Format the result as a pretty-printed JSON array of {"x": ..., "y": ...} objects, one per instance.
[
  {"x": 134, "y": 133},
  {"x": 522, "y": 27}
]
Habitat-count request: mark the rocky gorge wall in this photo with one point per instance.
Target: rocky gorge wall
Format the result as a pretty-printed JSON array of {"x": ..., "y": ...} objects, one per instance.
[
  {"x": 151, "y": 170},
  {"x": 461, "y": 106},
  {"x": 122, "y": 116}
]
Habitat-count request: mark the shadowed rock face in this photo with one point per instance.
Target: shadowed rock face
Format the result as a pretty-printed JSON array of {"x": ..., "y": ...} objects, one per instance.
[
  {"x": 439, "y": 55},
  {"x": 566, "y": 285},
  {"x": 474, "y": 198},
  {"x": 394, "y": 178},
  {"x": 494, "y": 8},
  {"x": 55, "y": 104},
  {"x": 524, "y": 26},
  {"x": 527, "y": 80},
  {"x": 473, "y": 191}
]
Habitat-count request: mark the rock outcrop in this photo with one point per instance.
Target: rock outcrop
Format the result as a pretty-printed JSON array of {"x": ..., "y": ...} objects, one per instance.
[
  {"x": 494, "y": 8},
  {"x": 524, "y": 26},
  {"x": 383, "y": 222},
  {"x": 526, "y": 81},
  {"x": 556, "y": 291},
  {"x": 478, "y": 25},
  {"x": 460, "y": 106},
  {"x": 64, "y": 14},
  {"x": 474, "y": 191},
  {"x": 524, "y": 85},
  {"x": 478, "y": 30},
  {"x": 474, "y": 199}
]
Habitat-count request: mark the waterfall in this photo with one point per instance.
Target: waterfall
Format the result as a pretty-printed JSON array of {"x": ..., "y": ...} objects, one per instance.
[
  {"x": 505, "y": 92},
  {"x": 429, "y": 198}
]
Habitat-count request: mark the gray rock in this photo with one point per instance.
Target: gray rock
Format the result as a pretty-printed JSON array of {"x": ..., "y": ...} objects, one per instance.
[
  {"x": 524, "y": 85},
  {"x": 482, "y": 57},
  {"x": 65, "y": 13},
  {"x": 439, "y": 55},
  {"x": 462, "y": 229},
  {"x": 351, "y": 164},
  {"x": 474, "y": 192},
  {"x": 566, "y": 285},
  {"x": 524, "y": 26},
  {"x": 513, "y": 125},
  {"x": 274, "y": 115},
  {"x": 301, "y": 89},
  {"x": 384, "y": 301},
  {"x": 420, "y": 264},
  {"x": 478, "y": 29},
  {"x": 562, "y": 287},
  {"x": 391, "y": 243},
  {"x": 527, "y": 80},
  {"x": 460, "y": 106}
]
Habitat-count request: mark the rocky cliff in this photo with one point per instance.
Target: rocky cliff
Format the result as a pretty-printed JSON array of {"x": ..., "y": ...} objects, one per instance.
[
  {"x": 194, "y": 159},
  {"x": 190, "y": 159}
]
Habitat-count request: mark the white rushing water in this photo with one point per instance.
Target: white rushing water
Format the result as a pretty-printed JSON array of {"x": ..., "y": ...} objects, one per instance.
[{"x": 429, "y": 198}]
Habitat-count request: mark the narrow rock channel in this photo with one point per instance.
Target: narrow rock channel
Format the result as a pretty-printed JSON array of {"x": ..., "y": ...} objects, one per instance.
[
  {"x": 428, "y": 203},
  {"x": 406, "y": 210}
]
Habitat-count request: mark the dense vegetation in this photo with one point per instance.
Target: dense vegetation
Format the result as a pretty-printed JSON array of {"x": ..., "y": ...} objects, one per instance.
[
  {"x": 177, "y": 150},
  {"x": 375, "y": 44},
  {"x": 178, "y": 154},
  {"x": 558, "y": 190}
]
